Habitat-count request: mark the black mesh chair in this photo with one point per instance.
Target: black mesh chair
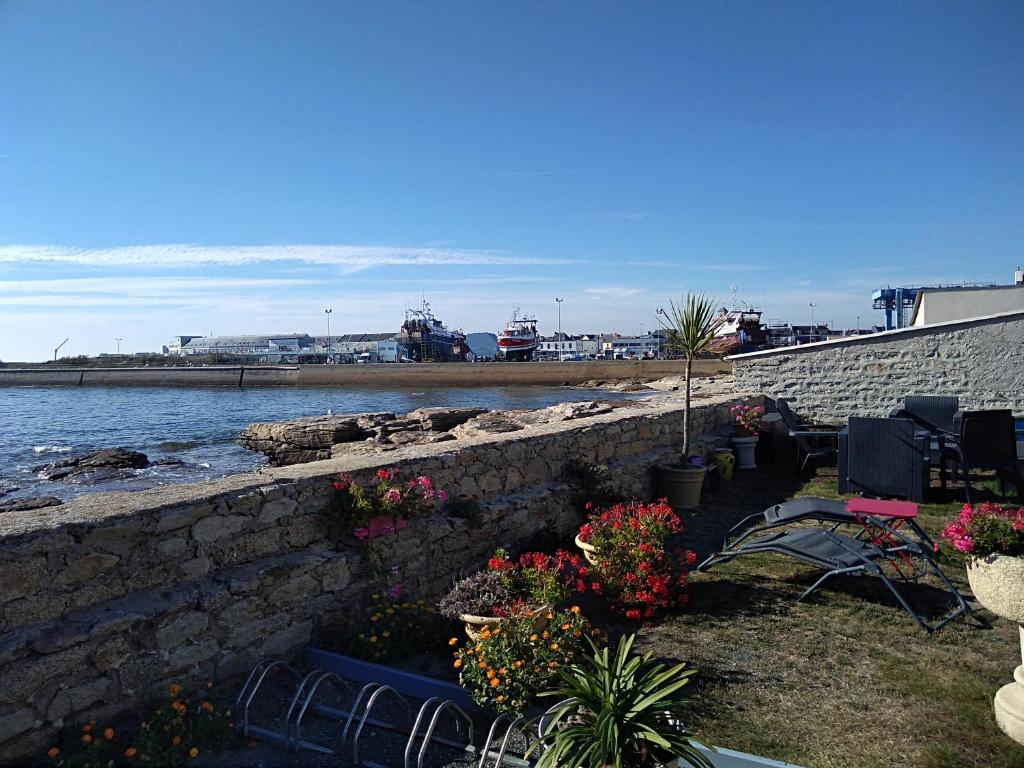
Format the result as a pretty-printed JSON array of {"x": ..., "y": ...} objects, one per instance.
[
  {"x": 885, "y": 458},
  {"x": 813, "y": 442},
  {"x": 934, "y": 414},
  {"x": 987, "y": 440},
  {"x": 931, "y": 412}
]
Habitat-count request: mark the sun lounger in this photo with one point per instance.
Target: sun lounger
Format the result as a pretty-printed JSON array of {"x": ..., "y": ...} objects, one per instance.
[{"x": 876, "y": 545}]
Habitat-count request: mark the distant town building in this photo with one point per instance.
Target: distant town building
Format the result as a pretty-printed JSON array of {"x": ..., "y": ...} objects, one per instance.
[
  {"x": 368, "y": 347},
  {"x": 939, "y": 305},
  {"x": 648, "y": 345},
  {"x": 276, "y": 348},
  {"x": 563, "y": 344}
]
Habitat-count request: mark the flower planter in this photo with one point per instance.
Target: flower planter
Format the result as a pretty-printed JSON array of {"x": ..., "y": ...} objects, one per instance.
[
  {"x": 589, "y": 550},
  {"x": 725, "y": 461},
  {"x": 998, "y": 583},
  {"x": 681, "y": 485},
  {"x": 744, "y": 451},
  {"x": 384, "y": 525},
  {"x": 475, "y": 625}
]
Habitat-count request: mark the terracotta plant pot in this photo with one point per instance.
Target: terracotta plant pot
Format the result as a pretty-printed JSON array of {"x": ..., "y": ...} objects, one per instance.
[
  {"x": 681, "y": 485},
  {"x": 997, "y": 582},
  {"x": 475, "y": 625},
  {"x": 589, "y": 550}
]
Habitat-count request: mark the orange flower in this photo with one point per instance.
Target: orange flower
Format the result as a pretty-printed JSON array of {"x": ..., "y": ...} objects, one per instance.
[
  {"x": 482, "y": 664},
  {"x": 453, "y": 641},
  {"x": 53, "y": 752},
  {"x": 458, "y": 663},
  {"x": 194, "y": 752},
  {"x": 86, "y": 738},
  {"x": 499, "y": 698},
  {"x": 131, "y": 752},
  {"x": 533, "y": 637},
  {"x": 546, "y": 634},
  {"x": 495, "y": 682},
  {"x": 207, "y": 706},
  {"x": 554, "y": 646},
  {"x": 109, "y": 734},
  {"x": 575, "y": 609},
  {"x": 565, "y": 626},
  {"x": 176, "y": 741},
  {"x": 175, "y": 689}
]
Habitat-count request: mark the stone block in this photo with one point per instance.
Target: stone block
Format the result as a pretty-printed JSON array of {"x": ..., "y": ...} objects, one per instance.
[
  {"x": 217, "y": 527},
  {"x": 294, "y": 590},
  {"x": 196, "y": 567},
  {"x": 22, "y": 577},
  {"x": 111, "y": 654},
  {"x": 182, "y": 517},
  {"x": 72, "y": 700},
  {"x": 86, "y": 567},
  {"x": 180, "y": 628},
  {"x": 289, "y": 641},
  {"x": 42, "y": 607},
  {"x": 275, "y": 510},
  {"x": 15, "y": 722},
  {"x": 191, "y": 655},
  {"x": 335, "y": 575}
]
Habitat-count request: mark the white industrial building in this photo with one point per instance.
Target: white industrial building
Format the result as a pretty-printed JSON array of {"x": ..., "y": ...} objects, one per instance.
[
  {"x": 566, "y": 345},
  {"x": 946, "y": 304}
]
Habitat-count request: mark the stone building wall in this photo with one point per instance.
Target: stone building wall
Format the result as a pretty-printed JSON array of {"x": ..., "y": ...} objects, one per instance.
[
  {"x": 981, "y": 360},
  {"x": 106, "y": 600}
]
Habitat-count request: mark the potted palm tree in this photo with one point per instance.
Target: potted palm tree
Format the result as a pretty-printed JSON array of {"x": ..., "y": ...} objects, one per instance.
[
  {"x": 617, "y": 711},
  {"x": 691, "y": 327}
]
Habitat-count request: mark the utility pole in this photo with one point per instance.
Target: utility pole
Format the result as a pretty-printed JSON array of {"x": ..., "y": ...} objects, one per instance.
[
  {"x": 663, "y": 323},
  {"x": 118, "y": 345},
  {"x": 328, "y": 313},
  {"x": 559, "y": 301}
]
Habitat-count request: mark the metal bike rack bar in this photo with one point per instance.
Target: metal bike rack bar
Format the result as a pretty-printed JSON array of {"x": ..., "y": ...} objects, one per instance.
[
  {"x": 428, "y": 737},
  {"x": 251, "y": 687},
  {"x": 323, "y": 711},
  {"x": 380, "y": 691}
]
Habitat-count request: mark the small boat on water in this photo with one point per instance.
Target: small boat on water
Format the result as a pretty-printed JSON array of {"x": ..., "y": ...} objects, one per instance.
[
  {"x": 519, "y": 340},
  {"x": 425, "y": 339}
]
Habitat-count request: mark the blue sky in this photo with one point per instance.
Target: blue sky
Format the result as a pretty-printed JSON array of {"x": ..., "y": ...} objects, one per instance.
[{"x": 229, "y": 167}]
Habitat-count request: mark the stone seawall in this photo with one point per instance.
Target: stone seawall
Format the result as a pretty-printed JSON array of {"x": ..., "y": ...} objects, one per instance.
[
  {"x": 106, "y": 600},
  {"x": 376, "y": 375},
  {"x": 980, "y": 360}
]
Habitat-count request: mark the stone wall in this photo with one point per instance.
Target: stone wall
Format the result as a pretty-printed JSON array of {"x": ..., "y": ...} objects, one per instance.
[
  {"x": 981, "y": 360},
  {"x": 106, "y": 600}
]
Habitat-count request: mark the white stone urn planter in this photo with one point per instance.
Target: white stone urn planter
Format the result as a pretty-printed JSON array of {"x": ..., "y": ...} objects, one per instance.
[
  {"x": 744, "y": 447},
  {"x": 475, "y": 625},
  {"x": 998, "y": 583}
]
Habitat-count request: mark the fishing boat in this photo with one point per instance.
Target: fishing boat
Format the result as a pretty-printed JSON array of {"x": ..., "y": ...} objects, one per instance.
[
  {"x": 519, "y": 339},
  {"x": 425, "y": 339}
]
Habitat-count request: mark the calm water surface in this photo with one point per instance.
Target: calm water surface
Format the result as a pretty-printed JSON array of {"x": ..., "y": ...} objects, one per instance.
[{"x": 196, "y": 425}]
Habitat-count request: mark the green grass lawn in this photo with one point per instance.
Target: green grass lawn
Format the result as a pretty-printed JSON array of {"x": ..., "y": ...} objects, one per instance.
[{"x": 845, "y": 679}]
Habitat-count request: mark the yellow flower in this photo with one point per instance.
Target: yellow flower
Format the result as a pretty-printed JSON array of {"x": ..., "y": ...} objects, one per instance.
[
  {"x": 194, "y": 752},
  {"x": 373, "y": 638},
  {"x": 375, "y": 596},
  {"x": 550, "y": 615},
  {"x": 453, "y": 641},
  {"x": 386, "y": 633}
]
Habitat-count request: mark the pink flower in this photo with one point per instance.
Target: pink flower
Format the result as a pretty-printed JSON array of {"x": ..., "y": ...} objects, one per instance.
[
  {"x": 423, "y": 482},
  {"x": 442, "y": 494},
  {"x": 361, "y": 533},
  {"x": 393, "y": 496}
]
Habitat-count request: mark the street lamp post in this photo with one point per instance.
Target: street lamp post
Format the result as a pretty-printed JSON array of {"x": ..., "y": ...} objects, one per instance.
[
  {"x": 118, "y": 345},
  {"x": 810, "y": 336},
  {"x": 328, "y": 313},
  {"x": 858, "y": 325},
  {"x": 662, "y": 312},
  {"x": 558, "y": 301}
]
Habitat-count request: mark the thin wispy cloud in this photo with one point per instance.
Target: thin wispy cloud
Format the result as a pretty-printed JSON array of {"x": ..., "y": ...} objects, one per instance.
[
  {"x": 539, "y": 173},
  {"x": 186, "y": 255}
]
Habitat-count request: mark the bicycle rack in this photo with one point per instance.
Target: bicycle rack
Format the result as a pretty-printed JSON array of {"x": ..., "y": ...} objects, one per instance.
[
  {"x": 500, "y": 759},
  {"x": 251, "y": 687},
  {"x": 428, "y": 737},
  {"x": 377, "y": 693},
  {"x": 295, "y": 743}
]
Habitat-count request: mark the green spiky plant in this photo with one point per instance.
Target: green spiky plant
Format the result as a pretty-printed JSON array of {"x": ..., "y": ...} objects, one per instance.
[
  {"x": 691, "y": 325},
  {"x": 618, "y": 711}
]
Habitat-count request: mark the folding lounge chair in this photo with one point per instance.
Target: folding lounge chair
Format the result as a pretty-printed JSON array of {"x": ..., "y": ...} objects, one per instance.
[
  {"x": 878, "y": 544},
  {"x": 813, "y": 442}
]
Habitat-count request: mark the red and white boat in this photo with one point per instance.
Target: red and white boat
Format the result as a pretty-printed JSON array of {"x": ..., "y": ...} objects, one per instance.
[{"x": 519, "y": 339}]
